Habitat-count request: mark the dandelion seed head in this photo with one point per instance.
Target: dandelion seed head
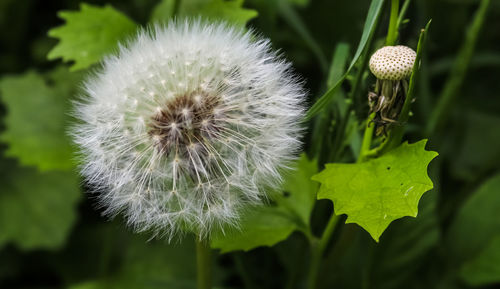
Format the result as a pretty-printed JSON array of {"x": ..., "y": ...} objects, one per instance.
[{"x": 188, "y": 124}]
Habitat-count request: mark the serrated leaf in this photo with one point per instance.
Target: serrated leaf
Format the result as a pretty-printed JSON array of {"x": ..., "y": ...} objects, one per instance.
[
  {"x": 89, "y": 34},
  {"x": 37, "y": 115},
  {"x": 227, "y": 10},
  {"x": 268, "y": 225},
  {"x": 374, "y": 193},
  {"x": 37, "y": 210}
]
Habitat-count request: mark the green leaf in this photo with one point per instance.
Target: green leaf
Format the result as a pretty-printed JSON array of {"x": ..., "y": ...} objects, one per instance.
[
  {"x": 300, "y": 191},
  {"x": 260, "y": 226},
  {"x": 37, "y": 115},
  {"x": 37, "y": 210},
  {"x": 227, "y": 10},
  {"x": 89, "y": 34},
  {"x": 230, "y": 11},
  {"x": 268, "y": 225},
  {"x": 163, "y": 11},
  {"x": 369, "y": 29},
  {"x": 379, "y": 191}
]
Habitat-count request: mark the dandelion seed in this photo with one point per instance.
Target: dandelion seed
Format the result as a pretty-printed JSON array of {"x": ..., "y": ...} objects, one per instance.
[{"x": 199, "y": 141}]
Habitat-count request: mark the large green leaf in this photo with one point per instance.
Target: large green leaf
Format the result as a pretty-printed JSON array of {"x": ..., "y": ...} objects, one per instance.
[
  {"x": 37, "y": 118},
  {"x": 230, "y": 11},
  {"x": 89, "y": 34},
  {"x": 268, "y": 225},
  {"x": 37, "y": 210},
  {"x": 379, "y": 191}
]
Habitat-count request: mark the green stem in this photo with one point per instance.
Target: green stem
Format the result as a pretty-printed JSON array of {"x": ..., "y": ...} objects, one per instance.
[
  {"x": 367, "y": 138},
  {"x": 175, "y": 7},
  {"x": 318, "y": 248},
  {"x": 203, "y": 264},
  {"x": 452, "y": 87},
  {"x": 392, "y": 34},
  {"x": 402, "y": 12}
]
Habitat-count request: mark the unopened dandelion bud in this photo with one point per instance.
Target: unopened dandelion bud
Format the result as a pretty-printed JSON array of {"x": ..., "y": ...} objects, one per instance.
[
  {"x": 391, "y": 65},
  {"x": 392, "y": 62}
]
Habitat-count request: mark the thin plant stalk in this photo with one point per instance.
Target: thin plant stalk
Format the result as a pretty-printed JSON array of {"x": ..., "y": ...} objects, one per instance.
[
  {"x": 392, "y": 34},
  {"x": 203, "y": 264},
  {"x": 318, "y": 249}
]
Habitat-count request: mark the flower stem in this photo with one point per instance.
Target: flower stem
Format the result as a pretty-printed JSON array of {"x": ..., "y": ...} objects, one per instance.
[
  {"x": 175, "y": 7},
  {"x": 203, "y": 264},
  {"x": 367, "y": 138},
  {"x": 318, "y": 247},
  {"x": 392, "y": 34}
]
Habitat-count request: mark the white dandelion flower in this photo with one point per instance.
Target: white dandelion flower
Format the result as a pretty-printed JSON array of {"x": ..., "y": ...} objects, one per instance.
[{"x": 187, "y": 125}]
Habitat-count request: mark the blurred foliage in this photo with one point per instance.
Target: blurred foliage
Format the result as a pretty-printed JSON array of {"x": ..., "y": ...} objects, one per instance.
[
  {"x": 230, "y": 11},
  {"x": 89, "y": 34},
  {"x": 38, "y": 117},
  {"x": 52, "y": 237}
]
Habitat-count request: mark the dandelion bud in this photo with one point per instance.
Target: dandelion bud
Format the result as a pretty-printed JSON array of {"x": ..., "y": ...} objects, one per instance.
[
  {"x": 393, "y": 62},
  {"x": 188, "y": 124},
  {"x": 392, "y": 65}
]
